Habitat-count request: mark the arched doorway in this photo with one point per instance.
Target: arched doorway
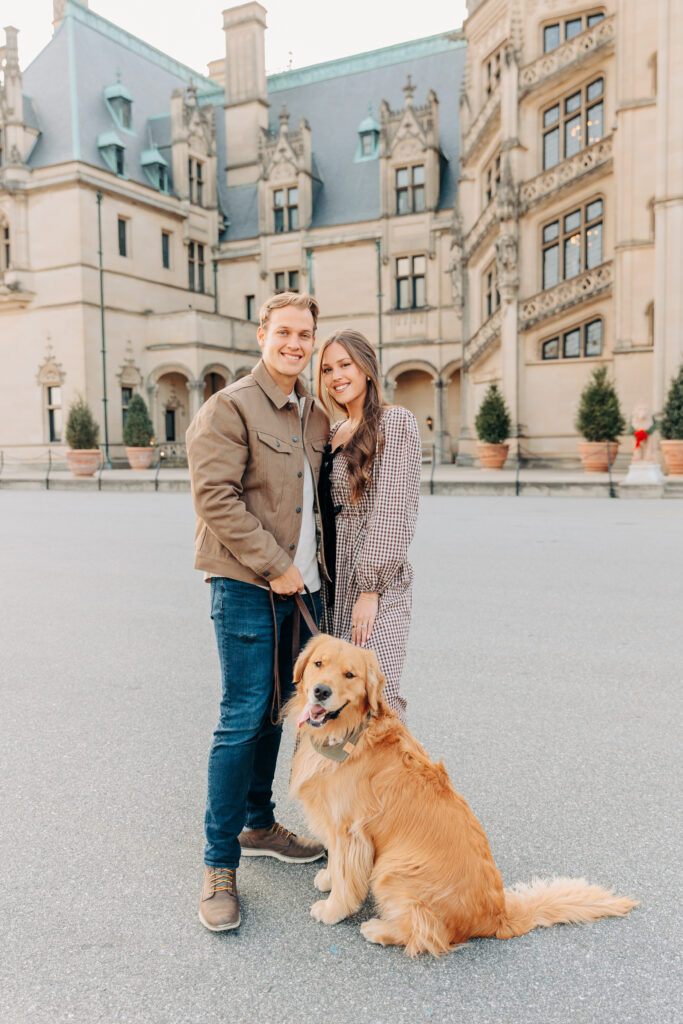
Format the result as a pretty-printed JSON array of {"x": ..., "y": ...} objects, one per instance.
[
  {"x": 415, "y": 390},
  {"x": 214, "y": 380},
  {"x": 172, "y": 404}
]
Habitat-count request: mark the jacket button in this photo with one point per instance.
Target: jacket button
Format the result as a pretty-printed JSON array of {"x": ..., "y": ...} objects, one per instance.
[
  {"x": 299, "y": 474},
  {"x": 291, "y": 547},
  {"x": 277, "y": 444},
  {"x": 298, "y": 510},
  {"x": 295, "y": 438}
]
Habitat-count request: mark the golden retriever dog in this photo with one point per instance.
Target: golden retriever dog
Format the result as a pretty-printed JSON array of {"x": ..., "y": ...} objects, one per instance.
[{"x": 393, "y": 823}]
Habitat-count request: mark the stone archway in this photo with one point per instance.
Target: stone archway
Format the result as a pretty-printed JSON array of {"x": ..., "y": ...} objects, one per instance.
[
  {"x": 214, "y": 378},
  {"x": 414, "y": 389}
]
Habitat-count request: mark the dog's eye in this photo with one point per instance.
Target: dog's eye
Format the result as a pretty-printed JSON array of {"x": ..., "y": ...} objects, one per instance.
[
  {"x": 318, "y": 664},
  {"x": 349, "y": 675}
]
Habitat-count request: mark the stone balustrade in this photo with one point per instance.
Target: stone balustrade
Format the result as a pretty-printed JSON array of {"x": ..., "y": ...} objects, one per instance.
[
  {"x": 480, "y": 229},
  {"x": 479, "y": 127},
  {"x": 482, "y": 339},
  {"x": 563, "y": 296},
  {"x": 557, "y": 60},
  {"x": 565, "y": 173}
]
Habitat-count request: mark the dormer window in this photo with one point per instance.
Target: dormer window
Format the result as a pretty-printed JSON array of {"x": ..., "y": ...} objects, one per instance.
[
  {"x": 368, "y": 138},
  {"x": 113, "y": 152},
  {"x": 155, "y": 168},
  {"x": 120, "y": 104}
]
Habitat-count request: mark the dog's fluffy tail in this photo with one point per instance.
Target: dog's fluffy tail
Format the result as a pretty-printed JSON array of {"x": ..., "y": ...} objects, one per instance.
[{"x": 558, "y": 901}]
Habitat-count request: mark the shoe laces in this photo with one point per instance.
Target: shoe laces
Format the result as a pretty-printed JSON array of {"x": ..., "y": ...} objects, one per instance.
[
  {"x": 222, "y": 880},
  {"x": 280, "y": 830}
]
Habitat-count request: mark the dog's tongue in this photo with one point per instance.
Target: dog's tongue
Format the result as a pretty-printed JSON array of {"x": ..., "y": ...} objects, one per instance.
[
  {"x": 306, "y": 713},
  {"x": 304, "y": 716}
]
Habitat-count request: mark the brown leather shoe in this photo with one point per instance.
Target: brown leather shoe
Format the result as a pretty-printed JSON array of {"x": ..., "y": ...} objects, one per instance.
[
  {"x": 219, "y": 907},
  {"x": 280, "y": 843}
]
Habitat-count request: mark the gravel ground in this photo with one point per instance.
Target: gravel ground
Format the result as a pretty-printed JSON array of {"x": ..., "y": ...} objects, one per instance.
[{"x": 544, "y": 668}]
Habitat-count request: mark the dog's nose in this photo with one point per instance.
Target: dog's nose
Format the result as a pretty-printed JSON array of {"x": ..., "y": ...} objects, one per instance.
[{"x": 322, "y": 692}]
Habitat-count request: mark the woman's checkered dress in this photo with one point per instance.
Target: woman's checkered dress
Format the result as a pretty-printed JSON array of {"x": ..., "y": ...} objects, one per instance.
[{"x": 373, "y": 537}]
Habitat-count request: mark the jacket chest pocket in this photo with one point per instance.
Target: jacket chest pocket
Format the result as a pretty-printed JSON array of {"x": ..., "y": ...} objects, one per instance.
[{"x": 274, "y": 461}]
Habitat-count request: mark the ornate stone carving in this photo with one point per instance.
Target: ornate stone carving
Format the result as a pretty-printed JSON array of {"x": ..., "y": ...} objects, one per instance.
[
  {"x": 506, "y": 267},
  {"x": 506, "y": 196},
  {"x": 577, "y": 48},
  {"x": 129, "y": 375},
  {"x": 566, "y": 294},
  {"x": 407, "y": 133},
  {"x": 599, "y": 155},
  {"x": 197, "y": 124},
  {"x": 482, "y": 340},
  {"x": 50, "y": 372},
  {"x": 284, "y": 155}
]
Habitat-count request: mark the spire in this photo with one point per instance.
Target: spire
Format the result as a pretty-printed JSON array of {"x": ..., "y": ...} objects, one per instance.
[{"x": 409, "y": 89}]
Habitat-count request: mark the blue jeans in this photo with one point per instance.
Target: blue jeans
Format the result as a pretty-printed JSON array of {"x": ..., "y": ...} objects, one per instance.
[{"x": 246, "y": 744}]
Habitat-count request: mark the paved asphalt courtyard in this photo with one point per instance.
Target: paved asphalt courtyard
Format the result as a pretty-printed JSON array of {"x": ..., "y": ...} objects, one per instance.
[{"x": 545, "y": 669}]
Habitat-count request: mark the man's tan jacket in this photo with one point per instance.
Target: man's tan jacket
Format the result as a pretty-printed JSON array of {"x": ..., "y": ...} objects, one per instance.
[{"x": 246, "y": 457}]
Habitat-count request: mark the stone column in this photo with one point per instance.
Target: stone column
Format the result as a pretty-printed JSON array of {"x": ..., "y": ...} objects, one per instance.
[
  {"x": 152, "y": 395},
  {"x": 196, "y": 390},
  {"x": 389, "y": 390},
  {"x": 442, "y": 438}
]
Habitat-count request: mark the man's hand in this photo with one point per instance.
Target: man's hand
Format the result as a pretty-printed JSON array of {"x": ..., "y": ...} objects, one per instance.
[
  {"x": 363, "y": 618},
  {"x": 291, "y": 582}
]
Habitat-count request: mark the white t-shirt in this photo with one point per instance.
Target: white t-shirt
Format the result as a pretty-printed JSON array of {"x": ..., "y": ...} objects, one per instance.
[{"x": 306, "y": 559}]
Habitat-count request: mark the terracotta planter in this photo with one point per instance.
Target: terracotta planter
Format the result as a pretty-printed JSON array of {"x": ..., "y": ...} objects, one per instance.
[
  {"x": 84, "y": 461},
  {"x": 594, "y": 455},
  {"x": 673, "y": 456},
  {"x": 492, "y": 456},
  {"x": 140, "y": 458}
]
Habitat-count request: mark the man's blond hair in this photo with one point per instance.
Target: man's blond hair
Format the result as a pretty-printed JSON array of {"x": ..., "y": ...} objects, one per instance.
[{"x": 288, "y": 299}]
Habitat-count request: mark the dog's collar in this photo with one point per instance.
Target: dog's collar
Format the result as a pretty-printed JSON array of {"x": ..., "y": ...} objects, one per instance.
[{"x": 340, "y": 751}]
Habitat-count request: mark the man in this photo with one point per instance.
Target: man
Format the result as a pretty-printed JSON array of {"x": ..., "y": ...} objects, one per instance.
[{"x": 254, "y": 451}]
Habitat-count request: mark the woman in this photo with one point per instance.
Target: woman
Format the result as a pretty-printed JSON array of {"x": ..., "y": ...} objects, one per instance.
[{"x": 370, "y": 484}]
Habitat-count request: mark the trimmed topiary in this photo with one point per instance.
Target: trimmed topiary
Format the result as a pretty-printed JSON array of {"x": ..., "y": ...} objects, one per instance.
[
  {"x": 81, "y": 429},
  {"x": 493, "y": 421},
  {"x": 599, "y": 416},
  {"x": 138, "y": 431},
  {"x": 672, "y": 416}
]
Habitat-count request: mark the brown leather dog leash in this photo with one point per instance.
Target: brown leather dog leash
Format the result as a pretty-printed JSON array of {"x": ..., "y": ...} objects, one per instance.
[{"x": 300, "y": 611}]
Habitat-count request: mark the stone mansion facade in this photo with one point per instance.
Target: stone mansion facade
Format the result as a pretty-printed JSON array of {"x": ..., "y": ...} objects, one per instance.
[{"x": 500, "y": 203}]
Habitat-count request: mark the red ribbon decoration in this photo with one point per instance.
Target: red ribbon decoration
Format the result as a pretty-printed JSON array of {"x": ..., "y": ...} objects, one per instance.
[{"x": 641, "y": 436}]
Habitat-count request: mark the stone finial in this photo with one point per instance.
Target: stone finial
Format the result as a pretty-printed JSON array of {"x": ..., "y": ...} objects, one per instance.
[
  {"x": 283, "y": 118},
  {"x": 409, "y": 90}
]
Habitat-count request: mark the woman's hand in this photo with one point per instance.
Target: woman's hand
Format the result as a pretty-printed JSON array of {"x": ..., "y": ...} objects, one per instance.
[{"x": 363, "y": 618}]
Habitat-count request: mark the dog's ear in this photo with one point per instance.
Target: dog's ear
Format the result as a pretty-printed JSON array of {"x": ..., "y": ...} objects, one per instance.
[
  {"x": 374, "y": 680},
  {"x": 305, "y": 656}
]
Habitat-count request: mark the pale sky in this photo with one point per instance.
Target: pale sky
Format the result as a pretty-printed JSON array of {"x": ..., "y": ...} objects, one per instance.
[{"x": 303, "y": 31}]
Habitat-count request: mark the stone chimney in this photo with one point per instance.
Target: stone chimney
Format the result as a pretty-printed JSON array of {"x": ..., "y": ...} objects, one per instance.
[
  {"x": 59, "y": 10},
  {"x": 246, "y": 100}
]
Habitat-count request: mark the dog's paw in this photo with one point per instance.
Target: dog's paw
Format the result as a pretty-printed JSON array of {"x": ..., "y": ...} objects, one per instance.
[
  {"x": 374, "y": 930},
  {"x": 326, "y": 912},
  {"x": 323, "y": 880}
]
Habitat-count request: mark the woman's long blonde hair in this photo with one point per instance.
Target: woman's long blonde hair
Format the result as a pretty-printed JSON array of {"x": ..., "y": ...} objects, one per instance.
[{"x": 366, "y": 441}]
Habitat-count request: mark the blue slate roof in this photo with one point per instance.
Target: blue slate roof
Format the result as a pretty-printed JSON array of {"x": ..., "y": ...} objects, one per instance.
[{"x": 65, "y": 96}]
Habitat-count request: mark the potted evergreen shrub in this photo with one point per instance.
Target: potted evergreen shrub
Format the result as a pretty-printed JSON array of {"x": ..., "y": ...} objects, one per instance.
[
  {"x": 82, "y": 435},
  {"x": 600, "y": 422},
  {"x": 138, "y": 433},
  {"x": 672, "y": 427},
  {"x": 493, "y": 423}
]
